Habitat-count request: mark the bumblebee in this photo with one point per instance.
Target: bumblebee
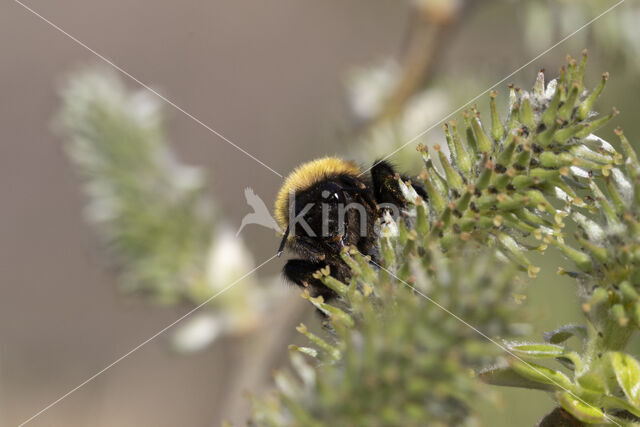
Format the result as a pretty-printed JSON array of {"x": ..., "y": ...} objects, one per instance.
[{"x": 328, "y": 204}]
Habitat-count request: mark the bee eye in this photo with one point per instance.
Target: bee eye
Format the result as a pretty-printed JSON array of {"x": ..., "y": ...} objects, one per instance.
[{"x": 332, "y": 193}]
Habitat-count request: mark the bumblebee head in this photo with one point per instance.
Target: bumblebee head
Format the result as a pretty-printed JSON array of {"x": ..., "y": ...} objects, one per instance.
[{"x": 319, "y": 181}]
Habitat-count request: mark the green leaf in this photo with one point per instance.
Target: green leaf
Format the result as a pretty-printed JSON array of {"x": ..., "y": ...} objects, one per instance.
[
  {"x": 565, "y": 332},
  {"x": 506, "y": 376},
  {"x": 537, "y": 351},
  {"x": 627, "y": 370},
  {"x": 579, "y": 409},
  {"x": 592, "y": 381},
  {"x": 541, "y": 374}
]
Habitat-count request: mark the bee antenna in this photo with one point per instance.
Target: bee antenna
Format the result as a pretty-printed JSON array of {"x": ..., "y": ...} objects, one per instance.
[{"x": 284, "y": 240}]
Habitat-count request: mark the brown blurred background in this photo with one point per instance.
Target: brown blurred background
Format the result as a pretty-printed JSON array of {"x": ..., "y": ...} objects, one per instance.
[{"x": 267, "y": 75}]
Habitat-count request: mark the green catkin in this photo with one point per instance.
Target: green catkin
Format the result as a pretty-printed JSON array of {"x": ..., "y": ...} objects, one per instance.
[
  {"x": 464, "y": 160},
  {"x": 439, "y": 183},
  {"x": 497, "y": 130},
  {"x": 550, "y": 114},
  {"x": 598, "y": 252},
  {"x": 514, "y": 118},
  {"x": 449, "y": 139},
  {"x": 453, "y": 177},
  {"x": 470, "y": 136},
  {"x": 510, "y": 144},
  {"x": 436, "y": 199},
  {"x": 537, "y": 180},
  {"x": 586, "y": 106},
  {"x": 523, "y": 158},
  {"x": 565, "y": 111},
  {"x": 526, "y": 114},
  {"x": 597, "y": 124},
  {"x": 483, "y": 141},
  {"x": 545, "y": 137}
]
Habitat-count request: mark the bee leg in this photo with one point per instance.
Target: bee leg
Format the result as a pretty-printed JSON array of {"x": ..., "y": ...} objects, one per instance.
[
  {"x": 386, "y": 188},
  {"x": 300, "y": 272}
]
